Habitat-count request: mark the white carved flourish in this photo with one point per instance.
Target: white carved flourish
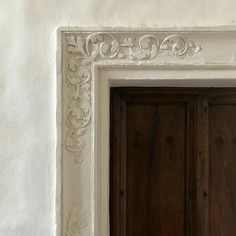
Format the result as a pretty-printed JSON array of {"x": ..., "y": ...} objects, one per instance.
[
  {"x": 176, "y": 45},
  {"x": 77, "y": 221},
  {"x": 90, "y": 47}
]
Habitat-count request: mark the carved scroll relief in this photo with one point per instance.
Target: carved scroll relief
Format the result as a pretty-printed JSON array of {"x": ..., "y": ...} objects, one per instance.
[{"x": 98, "y": 46}]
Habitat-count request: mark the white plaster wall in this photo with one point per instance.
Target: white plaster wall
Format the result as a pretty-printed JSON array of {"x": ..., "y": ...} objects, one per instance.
[{"x": 28, "y": 90}]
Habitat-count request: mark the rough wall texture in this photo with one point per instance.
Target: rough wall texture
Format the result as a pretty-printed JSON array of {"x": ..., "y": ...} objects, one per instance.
[{"x": 28, "y": 90}]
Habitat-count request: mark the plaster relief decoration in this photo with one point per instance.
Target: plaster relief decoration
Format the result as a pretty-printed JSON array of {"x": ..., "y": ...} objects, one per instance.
[
  {"x": 78, "y": 220},
  {"x": 97, "y": 46},
  {"x": 80, "y": 50}
]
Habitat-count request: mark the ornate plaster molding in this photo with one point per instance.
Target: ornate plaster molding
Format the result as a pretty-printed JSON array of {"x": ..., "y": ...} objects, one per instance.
[
  {"x": 83, "y": 52},
  {"x": 90, "y": 47},
  {"x": 78, "y": 220}
]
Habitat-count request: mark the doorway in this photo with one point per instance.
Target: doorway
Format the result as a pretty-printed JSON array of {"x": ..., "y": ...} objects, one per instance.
[{"x": 172, "y": 161}]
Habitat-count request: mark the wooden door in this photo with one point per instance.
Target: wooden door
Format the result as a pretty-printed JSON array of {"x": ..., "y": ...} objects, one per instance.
[{"x": 172, "y": 162}]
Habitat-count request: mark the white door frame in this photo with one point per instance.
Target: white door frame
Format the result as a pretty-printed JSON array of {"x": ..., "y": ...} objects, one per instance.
[{"x": 93, "y": 60}]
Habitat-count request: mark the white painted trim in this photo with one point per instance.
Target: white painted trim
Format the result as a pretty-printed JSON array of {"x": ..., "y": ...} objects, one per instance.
[{"x": 95, "y": 59}]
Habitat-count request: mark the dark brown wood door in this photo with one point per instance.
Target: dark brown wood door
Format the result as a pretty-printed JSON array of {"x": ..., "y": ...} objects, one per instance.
[
  {"x": 222, "y": 166},
  {"x": 173, "y": 162}
]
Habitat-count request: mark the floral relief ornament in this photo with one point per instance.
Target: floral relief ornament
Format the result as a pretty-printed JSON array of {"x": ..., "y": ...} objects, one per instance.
[
  {"x": 86, "y": 48},
  {"x": 78, "y": 220}
]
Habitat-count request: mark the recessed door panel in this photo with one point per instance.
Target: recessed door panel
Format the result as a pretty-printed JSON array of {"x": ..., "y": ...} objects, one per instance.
[
  {"x": 222, "y": 164},
  {"x": 156, "y": 169},
  {"x": 152, "y": 164}
]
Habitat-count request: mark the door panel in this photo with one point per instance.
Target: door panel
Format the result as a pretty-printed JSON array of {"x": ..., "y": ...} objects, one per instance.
[
  {"x": 156, "y": 169},
  {"x": 152, "y": 180},
  {"x": 222, "y": 149}
]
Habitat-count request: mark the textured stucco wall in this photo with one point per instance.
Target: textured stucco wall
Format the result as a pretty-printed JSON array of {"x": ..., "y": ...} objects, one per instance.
[{"x": 28, "y": 90}]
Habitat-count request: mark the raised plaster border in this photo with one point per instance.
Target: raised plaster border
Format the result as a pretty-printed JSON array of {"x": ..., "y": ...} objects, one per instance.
[{"x": 84, "y": 54}]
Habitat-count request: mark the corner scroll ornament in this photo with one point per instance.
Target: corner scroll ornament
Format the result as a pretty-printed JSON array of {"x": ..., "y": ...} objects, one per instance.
[{"x": 86, "y": 48}]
